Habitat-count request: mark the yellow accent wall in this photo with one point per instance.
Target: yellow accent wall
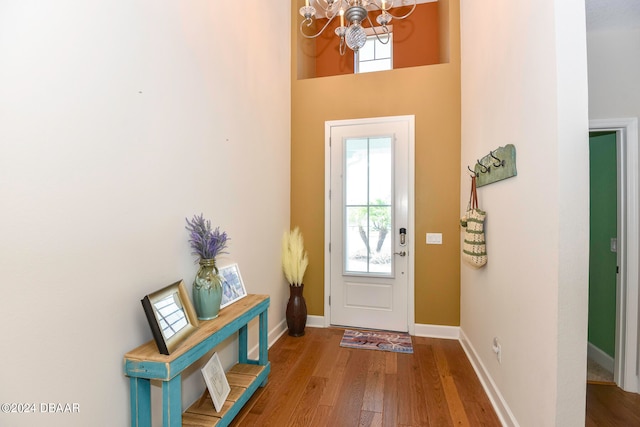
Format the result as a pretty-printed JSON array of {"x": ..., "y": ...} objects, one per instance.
[{"x": 432, "y": 94}]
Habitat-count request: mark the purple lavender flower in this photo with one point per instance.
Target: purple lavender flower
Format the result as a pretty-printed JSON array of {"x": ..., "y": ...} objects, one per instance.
[{"x": 207, "y": 244}]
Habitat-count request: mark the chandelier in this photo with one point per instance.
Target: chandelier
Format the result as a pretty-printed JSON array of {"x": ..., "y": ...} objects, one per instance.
[{"x": 352, "y": 13}]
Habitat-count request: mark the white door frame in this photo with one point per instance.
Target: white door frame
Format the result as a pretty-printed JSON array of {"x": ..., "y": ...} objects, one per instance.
[
  {"x": 411, "y": 212},
  {"x": 627, "y": 363}
]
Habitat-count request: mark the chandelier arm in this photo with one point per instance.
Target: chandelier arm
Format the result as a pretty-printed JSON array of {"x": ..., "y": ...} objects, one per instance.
[
  {"x": 329, "y": 8},
  {"x": 343, "y": 46},
  {"x": 309, "y": 24},
  {"x": 415, "y": 3},
  {"x": 375, "y": 32}
]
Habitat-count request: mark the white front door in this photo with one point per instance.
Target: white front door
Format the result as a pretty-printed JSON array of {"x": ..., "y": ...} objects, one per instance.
[{"x": 369, "y": 224}]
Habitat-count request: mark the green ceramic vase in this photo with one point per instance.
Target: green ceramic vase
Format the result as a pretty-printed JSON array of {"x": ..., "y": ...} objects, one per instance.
[{"x": 207, "y": 290}]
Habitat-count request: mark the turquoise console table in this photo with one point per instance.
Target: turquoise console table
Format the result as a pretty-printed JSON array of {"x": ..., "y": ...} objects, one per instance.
[{"x": 145, "y": 363}]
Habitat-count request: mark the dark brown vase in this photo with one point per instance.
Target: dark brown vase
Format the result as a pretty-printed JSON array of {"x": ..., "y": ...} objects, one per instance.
[{"x": 296, "y": 311}]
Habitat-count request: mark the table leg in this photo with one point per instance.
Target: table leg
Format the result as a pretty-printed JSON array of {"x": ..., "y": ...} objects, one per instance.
[
  {"x": 140, "y": 394},
  {"x": 263, "y": 338},
  {"x": 243, "y": 350},
  {"x": 263, "y": 343},
  {"x": 172, "y": 402}
]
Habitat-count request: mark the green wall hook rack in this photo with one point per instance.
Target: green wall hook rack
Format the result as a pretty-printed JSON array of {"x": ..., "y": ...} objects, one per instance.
[{"x": 499, "y": 164}]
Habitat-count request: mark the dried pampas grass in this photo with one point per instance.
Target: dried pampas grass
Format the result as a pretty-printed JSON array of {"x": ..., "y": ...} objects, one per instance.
[{"x": 294, "y": 257}]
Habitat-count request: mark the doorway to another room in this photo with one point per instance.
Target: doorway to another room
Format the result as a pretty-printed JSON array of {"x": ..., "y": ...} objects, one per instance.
[
  {"x": 614, "y": 251},
  {"x": 603, "y": 260}
]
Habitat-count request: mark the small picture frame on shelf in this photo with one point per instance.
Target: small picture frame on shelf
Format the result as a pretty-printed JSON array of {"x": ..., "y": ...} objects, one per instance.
[
  {"x": 232, "y": 286},
  {"x": 171, "y": 316},
  {"x": 217, "y": 382}
]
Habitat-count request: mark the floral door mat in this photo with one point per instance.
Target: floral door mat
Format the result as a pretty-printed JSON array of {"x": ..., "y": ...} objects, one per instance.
[{"x": 398, "y": 342}]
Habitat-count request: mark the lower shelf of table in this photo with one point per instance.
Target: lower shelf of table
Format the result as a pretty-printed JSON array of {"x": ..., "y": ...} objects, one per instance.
[{"x": 243, "y": 379}]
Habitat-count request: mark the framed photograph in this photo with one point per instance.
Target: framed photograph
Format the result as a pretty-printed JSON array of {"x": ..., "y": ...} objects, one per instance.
[
  {"x": 232, "y": 285},
  {"x": 171, "y": 316},
  {"x": 216, "y": 380}
]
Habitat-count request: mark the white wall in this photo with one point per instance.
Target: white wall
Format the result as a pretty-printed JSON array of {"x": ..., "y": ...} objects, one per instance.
[
  {"x": 524, "y": 83},
  {"x": 118, "y": 119},
  {"x": 614, "y": 67}
]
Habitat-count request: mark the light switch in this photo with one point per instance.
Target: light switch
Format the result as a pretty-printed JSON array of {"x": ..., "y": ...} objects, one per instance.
[
  {"x": 434, "y": 238},
  {"x": 614, "y": 244}
]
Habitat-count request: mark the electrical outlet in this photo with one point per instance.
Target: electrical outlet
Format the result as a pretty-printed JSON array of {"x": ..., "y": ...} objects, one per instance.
[{"x": 497, "y": 349}]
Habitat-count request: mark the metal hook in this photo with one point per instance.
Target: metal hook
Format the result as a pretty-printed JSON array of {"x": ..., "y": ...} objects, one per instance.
[
  {"x": 475, "y": 174},
  {"x": 486, "y": 168},
  {"x": 500, "y": 162}
]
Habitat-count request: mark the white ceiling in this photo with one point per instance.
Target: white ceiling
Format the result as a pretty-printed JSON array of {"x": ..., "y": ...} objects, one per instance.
[
  {"x": 602, "y": 14},
  {"x": 608, "y": 14}
]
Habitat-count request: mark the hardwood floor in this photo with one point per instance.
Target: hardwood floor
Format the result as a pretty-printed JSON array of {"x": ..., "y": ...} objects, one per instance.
[
  {"x": 315, "y": 382},
  {"x": 610, "y": 406}
]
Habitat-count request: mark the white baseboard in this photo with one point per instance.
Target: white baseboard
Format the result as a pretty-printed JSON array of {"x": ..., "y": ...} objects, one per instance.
[
  {"x": 277, "y": 332},
  {"x": 272, "y": 336},
  {"x": 437, "y": 331},
  {"x": 431, "y": 331},
  {"x": 315, "y": 321},
  {"x": 499, "y": 404},
  {"x": 600, "y": 357},
  {"x": 281, "y": 328}
]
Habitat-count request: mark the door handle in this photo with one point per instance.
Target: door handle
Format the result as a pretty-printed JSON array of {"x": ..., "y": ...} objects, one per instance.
[{"x": 401, "y": 253}]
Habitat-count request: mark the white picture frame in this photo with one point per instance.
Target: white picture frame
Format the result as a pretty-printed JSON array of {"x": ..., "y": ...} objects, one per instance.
[
  {"x": 232, "y": 285},
  {"x": 216, "y": 380}
]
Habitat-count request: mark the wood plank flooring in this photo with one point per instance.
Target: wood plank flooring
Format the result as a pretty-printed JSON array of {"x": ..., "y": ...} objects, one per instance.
[
  {"x": 610, "y": 406},
  {"x": 315, "y": 382}
]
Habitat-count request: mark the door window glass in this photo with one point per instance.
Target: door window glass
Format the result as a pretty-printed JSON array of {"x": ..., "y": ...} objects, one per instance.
[{"x": 368, "y": 205}]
